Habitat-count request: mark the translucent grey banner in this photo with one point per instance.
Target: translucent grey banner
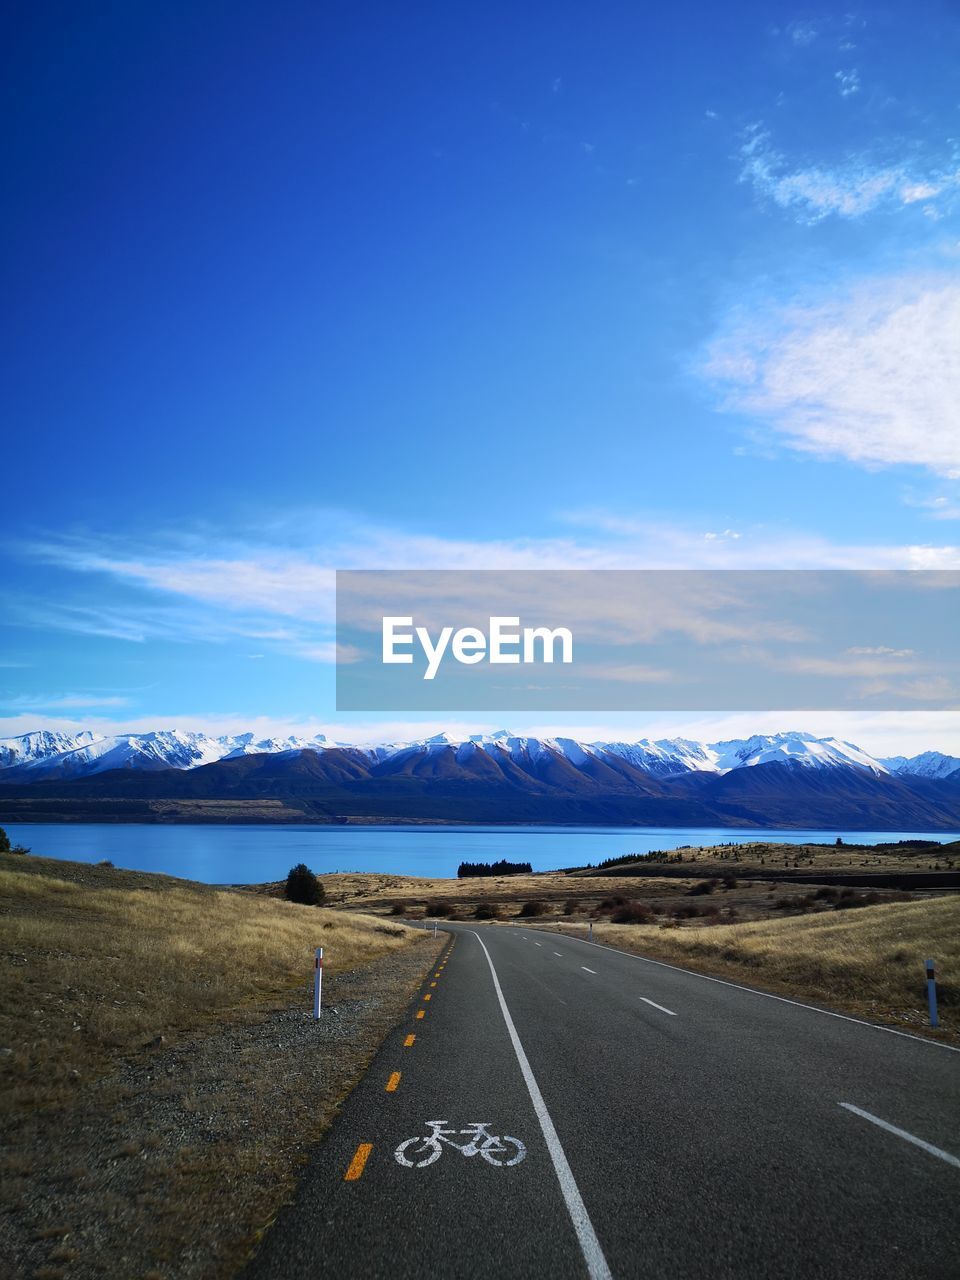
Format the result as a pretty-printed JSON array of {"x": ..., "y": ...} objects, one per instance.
[{"x": 646, "y": 640}]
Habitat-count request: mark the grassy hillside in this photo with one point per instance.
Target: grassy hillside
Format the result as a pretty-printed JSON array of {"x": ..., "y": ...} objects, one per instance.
[
  {"x": 100, "y": 971},
  {"x": 160, "y": 1069}
]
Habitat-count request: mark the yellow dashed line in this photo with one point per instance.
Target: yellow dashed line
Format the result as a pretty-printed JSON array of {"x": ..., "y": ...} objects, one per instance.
[
  {"x": 421, "y": 1012},
  {"x": 428, "y": 996},
  {"x": 393, "y": 1082},
  {"x": 409, "y": 1041},
  {"x": 433, "y": 984},
  {"x": 359, "y": 1162}
]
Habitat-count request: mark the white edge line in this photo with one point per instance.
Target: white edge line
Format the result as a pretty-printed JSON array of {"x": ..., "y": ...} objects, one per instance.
[
  {"x": 658, "y": 1006},
  {"x": 587, "y": 1237},
  {"x": 767, "y": 995},
  {"x": 902, "y": 1133}
]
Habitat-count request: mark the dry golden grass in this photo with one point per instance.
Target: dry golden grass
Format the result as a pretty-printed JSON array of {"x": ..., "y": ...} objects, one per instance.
[
  {"x": 373, "y": 891},
  {"x": 869, "y": 959},
  {"x": 94, "y": 972}
]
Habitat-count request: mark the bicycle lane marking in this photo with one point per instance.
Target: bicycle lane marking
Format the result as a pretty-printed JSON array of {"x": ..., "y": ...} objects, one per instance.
[{"x": 593, "y": 1257}]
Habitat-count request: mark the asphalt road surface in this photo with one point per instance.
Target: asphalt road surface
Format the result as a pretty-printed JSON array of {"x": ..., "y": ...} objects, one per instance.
[{"x": 603, "y": 1115}]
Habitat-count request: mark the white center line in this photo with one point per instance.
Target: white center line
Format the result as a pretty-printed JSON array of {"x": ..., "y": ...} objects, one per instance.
[
  {"x": 538, "y": 944},
  {"x": 559, "y": 953},
  {"x": 589, "y": 1244},
  {"x": 658, "y": 1006},
  {"x": 902, "y": 1133},
  {"x": 586, "y": 970}
]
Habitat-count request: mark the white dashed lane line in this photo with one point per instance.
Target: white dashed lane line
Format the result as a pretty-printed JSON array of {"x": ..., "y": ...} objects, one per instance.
[
  {"x": 559, "y": 953},
  {"x": 586, "y": 970},
  {"x": 538, "y": 944},
  {"x": 902, "y": 1133},
  {"x": 658, "y": 1006}
]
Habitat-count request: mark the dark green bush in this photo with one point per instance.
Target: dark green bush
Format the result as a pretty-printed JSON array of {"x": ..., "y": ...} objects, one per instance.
[
  {"x": 486, "y": 911},
  {"x": 303, "y": 886},
  {"x": 533, "y": 908}
]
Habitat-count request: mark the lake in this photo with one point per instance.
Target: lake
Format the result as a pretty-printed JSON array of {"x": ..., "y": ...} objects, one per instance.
[{"x": 255, "y": 853}]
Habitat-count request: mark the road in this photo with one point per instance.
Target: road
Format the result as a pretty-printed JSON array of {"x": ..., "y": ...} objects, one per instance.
[{"x": 672, "y": 1126}]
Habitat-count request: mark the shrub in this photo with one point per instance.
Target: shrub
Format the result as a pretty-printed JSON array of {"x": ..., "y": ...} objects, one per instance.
[
  {"x": 104, "y": 862},
  {"x": 686, "y": 911},
  {"x": 303, "y": 886},
  {"x": 533, "y": 908},
  {"x": 730, "y": 882},
  {"x": 485, "y": 911},
  {"x": 4, "y": 841},
  {"x": 632, "y": 913},
  {"x": 608, "y": 904},
  {"x": 571, "y": 908},
  {"x": 398, "y": 909},
  {"x": 705, "y": 886},
  {"x": 438, "y": 907}
]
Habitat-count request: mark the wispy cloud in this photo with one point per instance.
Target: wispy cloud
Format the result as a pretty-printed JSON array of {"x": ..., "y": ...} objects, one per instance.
[
  {"x": 277, "y": 596},
  {"x": 62, "y": 701},
  {"x": 859, "y": 185},
  {"x": 872, "y": 376},
  {"x": 848, "y": 82},
  {"x": 802, "y": 33}
]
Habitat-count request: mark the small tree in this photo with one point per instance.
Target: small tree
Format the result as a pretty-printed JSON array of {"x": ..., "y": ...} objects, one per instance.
[
  {"x": 4, "y": 841},
  {"x": 303, "y": 886}
]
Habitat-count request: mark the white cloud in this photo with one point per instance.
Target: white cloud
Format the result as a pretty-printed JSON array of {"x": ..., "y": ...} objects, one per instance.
[
  {"x": 872, "y": 376},
  {"x": 848, "y": 82},
  {"x": 802, "y": 33},
  {"x": 880, "y": 650},
  {"x": 63, "y": 701},
  {"x": 859, "y": 185}
]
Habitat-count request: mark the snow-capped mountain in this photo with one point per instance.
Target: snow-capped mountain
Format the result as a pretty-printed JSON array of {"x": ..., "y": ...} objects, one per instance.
[
  {"x": 929, "y": 764},
  {"x": 42, "y": 745},
  {"x": 45, "y": 754},
  {"x": 35, "y": 756}
]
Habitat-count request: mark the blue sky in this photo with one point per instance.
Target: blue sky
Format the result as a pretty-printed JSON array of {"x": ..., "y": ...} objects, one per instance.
[{"x": 297, "y": 287}]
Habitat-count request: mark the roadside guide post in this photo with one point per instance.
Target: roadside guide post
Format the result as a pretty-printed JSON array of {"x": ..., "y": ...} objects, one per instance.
[
  {"x": 932, "y": 994},
  {"x": 590, "y": 935},
  {"x": 317, "y": 980}
]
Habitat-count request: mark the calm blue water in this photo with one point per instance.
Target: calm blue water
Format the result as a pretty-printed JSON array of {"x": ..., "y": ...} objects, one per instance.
[{"x": 248, "y": 854}]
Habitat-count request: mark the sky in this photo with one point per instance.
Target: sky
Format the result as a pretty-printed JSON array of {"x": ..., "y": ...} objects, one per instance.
[{"x": 298, "y": 287}]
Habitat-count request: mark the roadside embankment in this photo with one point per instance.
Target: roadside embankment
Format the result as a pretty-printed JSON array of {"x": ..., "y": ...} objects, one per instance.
[{"x": 162, "y": 1075}]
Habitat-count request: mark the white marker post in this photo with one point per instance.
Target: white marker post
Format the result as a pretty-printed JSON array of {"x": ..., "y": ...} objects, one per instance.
[
  {"x": 932, "y": 994},
  {"x": 434, "y": 928},
  {"x": 590, "y": 935},
  {"x": 317, "y": 981}
]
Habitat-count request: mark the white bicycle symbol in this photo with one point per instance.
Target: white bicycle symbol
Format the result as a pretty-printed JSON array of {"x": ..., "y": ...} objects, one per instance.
[{"x": 481, "y": 1143}]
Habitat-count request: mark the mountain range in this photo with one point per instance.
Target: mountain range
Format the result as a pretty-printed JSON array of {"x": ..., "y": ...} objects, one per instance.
[{"x": 770, "y": 780}]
